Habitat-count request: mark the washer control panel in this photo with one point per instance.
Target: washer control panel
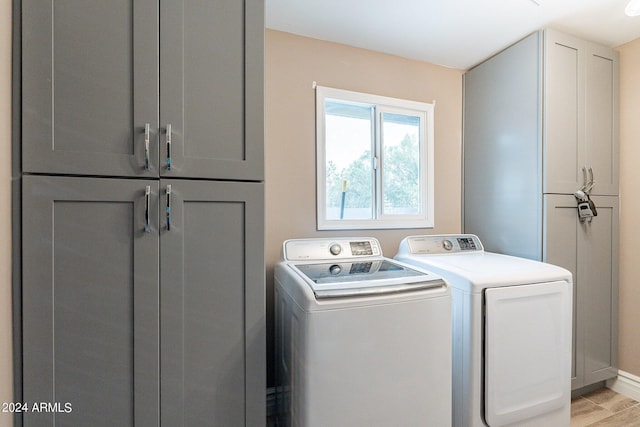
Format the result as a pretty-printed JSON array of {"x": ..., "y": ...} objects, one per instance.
[
  {"x": 443, "y": 244},
  {"x": 327, "y": 249}
]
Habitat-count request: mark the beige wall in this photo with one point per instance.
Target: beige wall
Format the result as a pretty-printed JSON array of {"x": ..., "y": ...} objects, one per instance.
[
  {"x": 6, "y": 370},
  {"x": 629, "y": 348},
  {"x": 292, "y": 64}
]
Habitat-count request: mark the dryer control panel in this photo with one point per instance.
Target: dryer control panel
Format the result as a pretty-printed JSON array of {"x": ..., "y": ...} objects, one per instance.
[
  {"x": 330, "y": 249},
  {"x": 444, "y": 244}
]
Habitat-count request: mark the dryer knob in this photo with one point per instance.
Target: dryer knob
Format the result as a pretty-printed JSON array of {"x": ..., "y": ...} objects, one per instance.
[
  {"x": 335, "y": 249},
  {"x": 447, "y": 245}
]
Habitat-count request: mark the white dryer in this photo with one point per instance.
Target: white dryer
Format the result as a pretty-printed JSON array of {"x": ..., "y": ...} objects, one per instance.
[
  {"x": 361, "y": 340},
  {"x": 512, "y": 328}
]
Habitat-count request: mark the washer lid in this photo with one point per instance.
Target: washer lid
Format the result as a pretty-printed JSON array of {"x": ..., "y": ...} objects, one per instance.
[{"x": 364, "y": 277}]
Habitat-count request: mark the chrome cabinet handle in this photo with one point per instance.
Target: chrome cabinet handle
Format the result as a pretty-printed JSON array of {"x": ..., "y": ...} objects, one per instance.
[
  {"x": 147, "y": 196},
  {"x": 169, "y": 146},
  {"x": 168, "y": 208},
  {"x": 591, "y": 179},
  {"x": 147, "y": 132}
]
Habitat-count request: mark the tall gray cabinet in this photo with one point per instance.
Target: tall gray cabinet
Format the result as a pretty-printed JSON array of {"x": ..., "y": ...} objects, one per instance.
[
  {"x": 540, "y": 123},
  {"x": 143, "y": 297}
]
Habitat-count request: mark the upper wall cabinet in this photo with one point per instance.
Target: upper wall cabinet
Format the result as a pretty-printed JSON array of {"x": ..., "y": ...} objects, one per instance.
[
  {"x": 89, "y": 86},
  {"x": 581, "y": 115},
  {"x": 105, "y": 92}
]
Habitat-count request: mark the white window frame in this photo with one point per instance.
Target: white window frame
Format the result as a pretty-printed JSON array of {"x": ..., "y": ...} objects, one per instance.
[{"x": 425, "y": 218}]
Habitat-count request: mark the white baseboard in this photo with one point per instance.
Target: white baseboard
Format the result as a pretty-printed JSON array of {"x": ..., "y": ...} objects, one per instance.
[{"x": 627, "y": 384}]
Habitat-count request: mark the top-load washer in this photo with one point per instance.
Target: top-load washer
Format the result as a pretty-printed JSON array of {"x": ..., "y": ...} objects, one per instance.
[
  {"x": 361, "y": 340},
  {"x": 512, "y": 328}
]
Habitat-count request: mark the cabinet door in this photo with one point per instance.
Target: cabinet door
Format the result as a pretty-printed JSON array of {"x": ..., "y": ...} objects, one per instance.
[
  {"x": 598, "y": 297},
  {"x": 212, "y": 89},
  {"x": 564, "y": 154},
  {"x": 90, "y": 302},
  {"x": 212, "y": 304},
  {"x": 560, "y": 247},
  {"x": 601, "y": 136},
  {"x": 89, "y": 85},
  {"x": 590, "y": 251}
]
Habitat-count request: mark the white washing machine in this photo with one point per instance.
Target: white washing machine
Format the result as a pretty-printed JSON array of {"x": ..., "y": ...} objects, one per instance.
[
  {"x": 512, "y": 328},
  {"x": 361, "y": 340}
]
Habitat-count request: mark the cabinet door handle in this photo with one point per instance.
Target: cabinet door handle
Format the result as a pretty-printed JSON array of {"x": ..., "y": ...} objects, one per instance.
[
  {"x": 584, "y": 179},
  {"x": 147, "y": 132},
  {"x": 591, "y": 179},
  {"x": 147, "y": 196},
  {"x": 169, "y": 146},
  {"x": 168, "y": 208}
]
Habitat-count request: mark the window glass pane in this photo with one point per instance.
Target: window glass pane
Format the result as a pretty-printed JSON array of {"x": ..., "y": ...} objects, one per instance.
[
  {"x": 400, "y": 164},
  {"x": 349, "y": 174}
]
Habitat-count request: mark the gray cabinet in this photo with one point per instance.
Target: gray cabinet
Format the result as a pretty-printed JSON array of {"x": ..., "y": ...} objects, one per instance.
[
  {"x": 136, "y": 325},
  {"x": 96, "y": 74},
  {"x": 90, "y": 301},
  {"x": 540, "y": 122},
  {"x": 143, "y": 306},
  {"x": 590, "y": 251},
  {"x": 581, "y": 115},
  {"x": 140, "y": 307}
]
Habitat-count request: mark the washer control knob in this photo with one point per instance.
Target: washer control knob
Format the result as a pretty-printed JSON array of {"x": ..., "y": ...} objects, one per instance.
[
  {"x": 447, "y": 245},
  {"x": 335, "y": 249},
  {"x": 335, "y": 269}
]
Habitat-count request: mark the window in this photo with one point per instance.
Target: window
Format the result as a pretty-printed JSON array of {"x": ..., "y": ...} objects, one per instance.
[{"x": 374, "y": 161}]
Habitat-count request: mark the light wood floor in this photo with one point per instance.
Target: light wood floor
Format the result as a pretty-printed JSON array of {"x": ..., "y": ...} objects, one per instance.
[
  {"x": 604, "y": 408},
  {"x": 600, "y": 408}
]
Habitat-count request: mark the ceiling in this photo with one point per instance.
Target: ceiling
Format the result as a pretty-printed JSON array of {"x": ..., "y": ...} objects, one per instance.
[{"x": 452, "y": 33}]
